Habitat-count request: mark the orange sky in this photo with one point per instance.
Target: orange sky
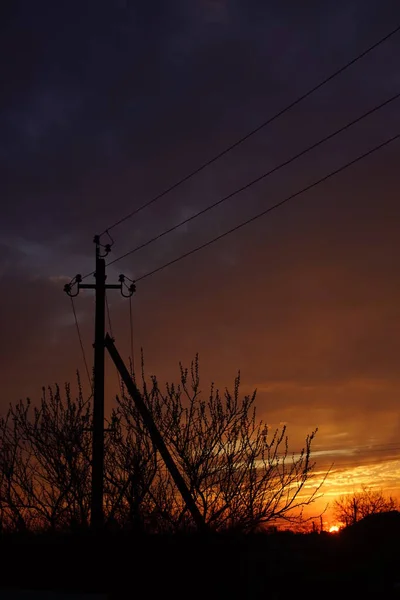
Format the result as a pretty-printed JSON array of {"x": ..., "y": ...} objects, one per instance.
[{"x": 305, "y": 302}]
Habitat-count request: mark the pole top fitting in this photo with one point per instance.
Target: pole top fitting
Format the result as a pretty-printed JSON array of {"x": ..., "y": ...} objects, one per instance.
[{"x": 106, "y": 247}]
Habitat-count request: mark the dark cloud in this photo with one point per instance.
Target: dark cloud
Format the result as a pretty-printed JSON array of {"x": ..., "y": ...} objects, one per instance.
[{"x": 104, "y": 104}]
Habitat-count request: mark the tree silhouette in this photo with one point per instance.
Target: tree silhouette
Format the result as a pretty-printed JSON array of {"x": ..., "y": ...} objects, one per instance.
[
  {"x": 45, "y": 462},
  {"x": 351, "y": 508},
  {"x": 240, "y": 473}
]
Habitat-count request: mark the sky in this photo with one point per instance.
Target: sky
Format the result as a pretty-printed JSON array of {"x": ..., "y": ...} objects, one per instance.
[{"x": 106, "y": 104}]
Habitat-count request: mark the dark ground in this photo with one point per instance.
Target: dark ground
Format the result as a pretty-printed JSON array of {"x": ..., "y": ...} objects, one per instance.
[{"x": 362, "y": 561}]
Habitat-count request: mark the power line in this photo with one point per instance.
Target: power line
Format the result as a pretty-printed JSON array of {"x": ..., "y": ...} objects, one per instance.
[
  {"x": 111, "y": 333},
  {"x": 108, "y": 316},
  {"x": 81, "y": 344},
  {"x": 253, "y": 131},
  {"x": 271, "y": 208},
  {"x": 258, "y": 179},
  {"x": 131, "y": 339}
]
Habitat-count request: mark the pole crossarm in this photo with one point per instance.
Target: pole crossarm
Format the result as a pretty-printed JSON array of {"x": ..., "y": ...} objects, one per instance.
[
  {"x": 76, "y": 281},
  {"x": 155, "y": 434}
]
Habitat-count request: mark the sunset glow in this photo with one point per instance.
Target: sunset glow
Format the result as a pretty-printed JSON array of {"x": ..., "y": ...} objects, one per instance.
[
  {"x": 334, "y": 529},
  {"x": 302, "y": 299},
  {"x": 199, "y": 372}
]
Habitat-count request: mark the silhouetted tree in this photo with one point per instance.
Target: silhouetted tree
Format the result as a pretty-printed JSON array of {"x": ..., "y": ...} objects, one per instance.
[
  {"x": 131, "y": 465},
  {"x": 349, "y": 509},
  {"x": 240, "y": 473},
  {"x": 45, "y": 462}
]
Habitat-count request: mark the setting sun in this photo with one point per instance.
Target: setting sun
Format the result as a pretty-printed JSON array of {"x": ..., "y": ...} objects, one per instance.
[{"x": 334, "y": 529}]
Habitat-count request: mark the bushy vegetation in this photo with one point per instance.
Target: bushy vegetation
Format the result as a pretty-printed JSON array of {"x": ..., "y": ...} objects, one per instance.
[{"x": 240, "y": 474}]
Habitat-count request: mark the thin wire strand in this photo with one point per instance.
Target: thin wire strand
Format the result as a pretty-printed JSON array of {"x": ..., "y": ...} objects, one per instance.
[
  {"x": 270, "y": 209},
  {"x": 258, "y": 179},
  {"x": 254, "y": 131},
  {"x": 131, "y": 339},
  {"x": 111, "y": 333},
  {"x": 81, "y": 344},
  {"x": 108, "y": 316}
]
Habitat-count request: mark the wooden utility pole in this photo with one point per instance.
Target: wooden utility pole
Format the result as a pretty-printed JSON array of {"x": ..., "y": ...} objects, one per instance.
[
  {"x": 100, "y": 287},
  {"x": 100, "y": 343}
]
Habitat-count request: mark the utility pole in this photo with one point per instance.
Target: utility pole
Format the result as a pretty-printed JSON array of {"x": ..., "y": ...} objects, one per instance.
[
  {"x": 102, "y": 341},
  {"x": 100, "y": 287}
]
